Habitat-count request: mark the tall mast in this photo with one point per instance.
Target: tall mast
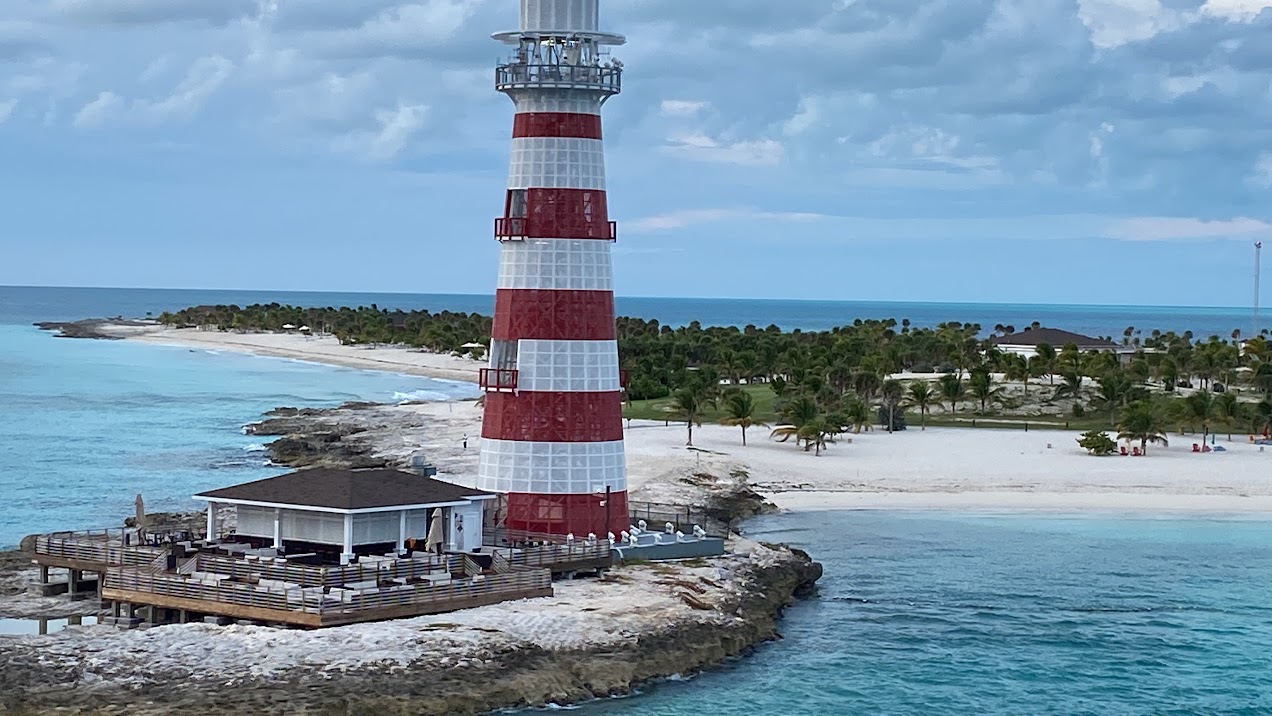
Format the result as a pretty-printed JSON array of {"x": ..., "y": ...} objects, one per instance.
[{"x": 1258, "y": 267}]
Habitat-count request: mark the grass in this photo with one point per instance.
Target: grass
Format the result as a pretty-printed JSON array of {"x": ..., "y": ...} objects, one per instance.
[{"x": 660, "y": 408}]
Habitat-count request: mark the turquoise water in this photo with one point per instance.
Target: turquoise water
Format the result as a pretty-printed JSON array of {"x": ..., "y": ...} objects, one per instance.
[
  {"x": 939, "y": 613},
  {"x": 86, "y": 425},
  {"x": 919, "y": 612}
]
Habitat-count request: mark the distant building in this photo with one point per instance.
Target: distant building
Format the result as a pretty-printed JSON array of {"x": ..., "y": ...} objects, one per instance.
[{"x": 1026, "y": 343}]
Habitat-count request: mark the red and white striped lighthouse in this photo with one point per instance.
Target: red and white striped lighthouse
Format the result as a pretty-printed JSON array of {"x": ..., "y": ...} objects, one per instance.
[{"x": 552, "y": 437}]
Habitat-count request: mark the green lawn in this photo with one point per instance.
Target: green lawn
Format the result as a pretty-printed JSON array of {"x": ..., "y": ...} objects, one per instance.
[
  {"x": 659, "y": 409},
  {"x": 764, "y": 398}
]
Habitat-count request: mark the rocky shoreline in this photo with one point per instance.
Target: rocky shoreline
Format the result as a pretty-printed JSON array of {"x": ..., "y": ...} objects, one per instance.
[
  {"x": 594, "y": 639},
  {"x": 101, "y": 329}
]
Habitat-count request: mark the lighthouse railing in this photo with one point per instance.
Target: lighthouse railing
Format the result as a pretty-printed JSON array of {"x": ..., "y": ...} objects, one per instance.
[{"x": 517, "y": 75}]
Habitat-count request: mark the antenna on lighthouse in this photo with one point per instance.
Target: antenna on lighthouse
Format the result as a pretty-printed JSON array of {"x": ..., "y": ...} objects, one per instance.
[{"x": 1258, "y": 266}]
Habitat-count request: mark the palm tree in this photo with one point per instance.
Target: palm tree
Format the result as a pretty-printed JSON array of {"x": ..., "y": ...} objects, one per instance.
[
  {"x": 799, "y": 412},
  {"x": 1200, "y": 406},
  {"x": 1228, "y": 407},
  {"x": 816, "y": 434},
  {"x": 953, "y": 390},
  {"x": 857, "y": 415},
  {"x": 1017, "y": 368},
  {"x": 1142, "y": 423},
  {"x": 892, "y": 394},
  {"x": 921, "y": 396},
  {"x": 1113, "y": 391},
  {"x": 983, "y": 388},
  {"x": 739, "y": 412},
  {"x": 1072, "y": 387},
  {"x": 1045, "y": 355},
  {"x": 689, "y": 405}
]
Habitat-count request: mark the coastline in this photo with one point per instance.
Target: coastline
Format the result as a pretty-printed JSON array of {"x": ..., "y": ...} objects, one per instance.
[
  {"x": 940, "y": 468},
  {"x": 314, "y": 349}
]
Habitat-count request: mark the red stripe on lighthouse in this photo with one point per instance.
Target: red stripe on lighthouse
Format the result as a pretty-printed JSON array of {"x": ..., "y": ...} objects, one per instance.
[
  {"x": 556, "y": 124},
  {"x": 568, "y": 514},
  {"x": 554, "y": 417},
  {"x": 567, "y": 214},
  {"x": 548, "y": 315}
]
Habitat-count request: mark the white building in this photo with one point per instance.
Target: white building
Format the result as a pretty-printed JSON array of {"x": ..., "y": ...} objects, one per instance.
[{"x": 353, "y": 512}]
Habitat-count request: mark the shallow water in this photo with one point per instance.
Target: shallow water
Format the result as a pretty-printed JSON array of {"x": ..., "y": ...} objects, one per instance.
[
  {"x": 33, "y": 627},
  {"x": 86, "y": 425},
  {"x": 926, "y": 612}
]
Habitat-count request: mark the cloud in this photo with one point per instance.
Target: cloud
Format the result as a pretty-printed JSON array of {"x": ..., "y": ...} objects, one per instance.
[
  {"x": 692, "y": 217},
  {"x": 701, "y": 148},
  {"x": 396, "y": 128},
  {"x": 681, "y": 107},
  {"x": 6, "y": 110},
  {"x": 1235, "y": 10},
  {"x": 99, "y": 111},
  {"x": 1170, "y": 228},
  {"x": 1114, "y": 23},
  {"x": 1261, "y": 176},
  {"x": 145, "y": 12},
  {"x": 201, "y": 81},
  {"x": 407, "y": 30}
]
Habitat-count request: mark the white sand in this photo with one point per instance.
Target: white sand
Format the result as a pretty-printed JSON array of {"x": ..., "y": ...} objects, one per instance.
[
  {"x": 318, "y": 349},
  {"x": 937, "y": 468},
  {"x": 966, "y": 468}
]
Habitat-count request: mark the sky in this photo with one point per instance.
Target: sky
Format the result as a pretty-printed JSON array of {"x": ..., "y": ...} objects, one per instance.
[{"x": 1051, "y": 151}]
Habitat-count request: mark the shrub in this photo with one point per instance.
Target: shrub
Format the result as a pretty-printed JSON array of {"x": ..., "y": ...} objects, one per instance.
[{"x": 1098, "y": 443}]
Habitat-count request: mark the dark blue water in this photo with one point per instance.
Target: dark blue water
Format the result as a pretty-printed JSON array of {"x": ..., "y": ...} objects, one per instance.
[
  {"x": 1001, "y": 615},
  {"x": 26, "y": 305}
]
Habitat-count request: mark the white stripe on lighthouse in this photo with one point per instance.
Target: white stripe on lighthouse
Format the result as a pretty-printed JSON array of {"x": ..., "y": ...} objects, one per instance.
[
  {"x": 568, "y": 366},
  {"x": 552, "y": 468},
  {"x": 557, "y": 163},
  {"x": 557, "y": 264}
]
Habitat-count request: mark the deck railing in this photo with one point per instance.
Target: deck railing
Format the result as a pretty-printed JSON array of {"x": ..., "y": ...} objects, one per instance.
[
  {"x": 330, "y": 601},
  {"x": 311, "y": 576},
  {"x": 516, "y": 75},
  {"x": 101, "y": 546}
]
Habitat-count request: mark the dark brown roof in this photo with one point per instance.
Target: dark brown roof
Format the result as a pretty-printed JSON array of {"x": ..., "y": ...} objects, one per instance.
[
  {"x": 1055, "y": 338},
  {"x": 347, "y": 490}
]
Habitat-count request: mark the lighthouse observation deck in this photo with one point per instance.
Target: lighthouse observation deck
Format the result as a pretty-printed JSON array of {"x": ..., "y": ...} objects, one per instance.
[{"x": 522, "y": 76}]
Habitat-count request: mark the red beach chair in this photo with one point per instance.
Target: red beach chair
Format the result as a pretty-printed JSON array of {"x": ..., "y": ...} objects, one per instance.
[
  {"x": 1125, "y": 452},
  {"x": 1135, "y": 452},
  {"x": 1196, "y": 447}
]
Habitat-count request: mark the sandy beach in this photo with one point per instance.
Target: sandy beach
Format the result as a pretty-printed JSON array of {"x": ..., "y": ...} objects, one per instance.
[
  {"x": 318, "y": 349},
  {"x": 940, "y": 468}
]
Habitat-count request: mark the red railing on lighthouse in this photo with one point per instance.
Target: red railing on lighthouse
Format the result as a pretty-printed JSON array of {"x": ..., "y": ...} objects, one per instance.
[{"x": 498, "y": 381}]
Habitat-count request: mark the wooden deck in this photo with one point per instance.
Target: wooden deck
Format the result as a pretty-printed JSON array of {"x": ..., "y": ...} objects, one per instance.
[{"x": 275, "y": 591}]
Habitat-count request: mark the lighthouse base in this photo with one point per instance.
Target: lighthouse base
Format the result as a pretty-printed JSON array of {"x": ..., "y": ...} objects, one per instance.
[{"x": 579, "y": 515}]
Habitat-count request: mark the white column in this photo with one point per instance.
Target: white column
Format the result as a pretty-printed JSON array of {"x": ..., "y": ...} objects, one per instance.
[
  {"x": 278, "y": 529},
  {"x": 212, "y": 508},
  {"x": 401, "y": 545},
  {"x": 347, "y": 556}
]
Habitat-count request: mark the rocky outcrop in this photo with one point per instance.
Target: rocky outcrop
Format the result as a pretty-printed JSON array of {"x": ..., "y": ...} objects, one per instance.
[
  {"x": 92, "y": 328},
  {"x": 321, "y": 437},
  {"x": 741, "y": 613}
]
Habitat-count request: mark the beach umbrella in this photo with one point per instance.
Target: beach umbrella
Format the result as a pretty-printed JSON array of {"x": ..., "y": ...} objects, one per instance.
[
  {"x": 474, "y": 345},
  {"x": 305, "y": 328},
  {"x": 433, "y": 541},
  {"x": 289, "y": 327},
  {"x": 140, "y": 515}
]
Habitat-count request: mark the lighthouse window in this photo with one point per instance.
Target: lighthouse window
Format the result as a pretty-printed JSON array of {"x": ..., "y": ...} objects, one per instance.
[{"x": 517, "y": 203}]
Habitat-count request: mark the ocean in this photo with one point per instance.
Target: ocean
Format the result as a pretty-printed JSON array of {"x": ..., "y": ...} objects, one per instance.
[
  {"x": 1006, "y": 614},
  {"x": 23, "y": 305},
  {"x": 919, "y": 612}
]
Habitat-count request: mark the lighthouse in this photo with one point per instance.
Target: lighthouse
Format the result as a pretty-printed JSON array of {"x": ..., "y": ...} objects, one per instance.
[{"x": 552, "y": 433}]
